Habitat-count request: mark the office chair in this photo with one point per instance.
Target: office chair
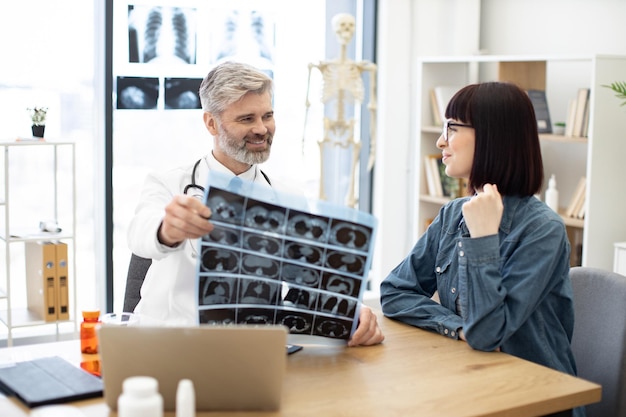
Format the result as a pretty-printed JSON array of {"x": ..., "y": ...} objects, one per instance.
[
  {"x": 137, "y": 269},
  {"x": 599, "y": 341}
]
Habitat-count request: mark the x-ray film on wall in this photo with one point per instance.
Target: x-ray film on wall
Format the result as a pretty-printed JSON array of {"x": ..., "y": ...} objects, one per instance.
[
  {"x": 275, "y": 258},
  {"x": 175, "y": 43}
]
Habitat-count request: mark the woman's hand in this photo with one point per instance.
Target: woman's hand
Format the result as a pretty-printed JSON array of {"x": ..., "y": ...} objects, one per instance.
[{"x": 483, "y": 212}]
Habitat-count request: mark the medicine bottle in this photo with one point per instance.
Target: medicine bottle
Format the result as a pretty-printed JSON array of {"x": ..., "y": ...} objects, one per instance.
[
  {"x": 88, "y": 335},
  {"x": 140, "y": 398},
  {"x": 552, "y": 194},
  {"x": 185, "y": 399}
]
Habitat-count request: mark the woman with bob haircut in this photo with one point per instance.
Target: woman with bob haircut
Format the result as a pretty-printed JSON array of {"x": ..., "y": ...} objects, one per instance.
[{"x": 499, "y": 259}]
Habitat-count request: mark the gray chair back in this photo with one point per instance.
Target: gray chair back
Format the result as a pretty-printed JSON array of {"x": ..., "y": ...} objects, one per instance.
[
  {"x": 137, "y": 269},
  {"x": 599, "y": 341}
]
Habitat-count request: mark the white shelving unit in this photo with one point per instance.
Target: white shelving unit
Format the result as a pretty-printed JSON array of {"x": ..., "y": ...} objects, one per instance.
[
  {"x": 39, "y": 184},
  {"x": 599, "y": 157}
]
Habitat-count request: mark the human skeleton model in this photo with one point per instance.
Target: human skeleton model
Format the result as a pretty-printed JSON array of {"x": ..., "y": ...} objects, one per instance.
[{"x": 342, "y": 89}]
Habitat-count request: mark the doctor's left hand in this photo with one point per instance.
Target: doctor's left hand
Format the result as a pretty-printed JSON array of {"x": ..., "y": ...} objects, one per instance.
[{"x": 367, "y": 333}]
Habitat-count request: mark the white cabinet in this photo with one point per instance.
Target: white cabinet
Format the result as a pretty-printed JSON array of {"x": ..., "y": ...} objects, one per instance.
[
  {"x": 38, "y": 186},
  {"x": 619, "y": 263},
  {"x": 600, "y": 157}
]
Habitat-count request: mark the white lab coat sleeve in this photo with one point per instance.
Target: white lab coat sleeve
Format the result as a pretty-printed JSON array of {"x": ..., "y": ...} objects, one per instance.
[{"x": 158, "y": 191}]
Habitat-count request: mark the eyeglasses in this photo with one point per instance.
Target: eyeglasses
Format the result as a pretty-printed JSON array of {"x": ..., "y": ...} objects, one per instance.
[{"x": 446, "y": 128}]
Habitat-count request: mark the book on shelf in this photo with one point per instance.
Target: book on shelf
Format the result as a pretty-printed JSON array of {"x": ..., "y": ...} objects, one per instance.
[
  {"x": 581, "y": 113},
  {"x": 577, "y": 202},
  {"x": 542, "y": 112},
  {"x": 439, "y": 98},
  {"x": 430, "y": 177},
  {"x": 450, "y": 187},
  {"x": 571, "y": 117},
  {"x": 585, "y": 128},
  {"x": 437, "y": 119},
  {"x": 435, "y": 188},
  {"x": 582, "y": 209},
  {"x": 438, "y": 183}
]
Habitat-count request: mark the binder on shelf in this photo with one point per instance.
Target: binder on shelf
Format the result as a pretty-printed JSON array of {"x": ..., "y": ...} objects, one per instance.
[
  {"x": 542, "y": 112},
  {"x": 62, "y": 296},
  {"x": 41, "y": 282}
]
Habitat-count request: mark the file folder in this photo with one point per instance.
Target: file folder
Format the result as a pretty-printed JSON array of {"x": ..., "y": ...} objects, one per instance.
[
  {"x": 41, "y": 281},
  {"x": 62, "y": 293}
]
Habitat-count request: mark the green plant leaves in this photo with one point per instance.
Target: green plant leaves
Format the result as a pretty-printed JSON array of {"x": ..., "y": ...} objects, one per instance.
[{"x": 619, "y": 87}]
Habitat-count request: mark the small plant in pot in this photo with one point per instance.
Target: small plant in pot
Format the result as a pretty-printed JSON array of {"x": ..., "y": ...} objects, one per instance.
[{"x": 38, "y": 118}]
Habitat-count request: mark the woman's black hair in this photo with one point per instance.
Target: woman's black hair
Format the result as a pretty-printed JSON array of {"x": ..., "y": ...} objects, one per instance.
[{"x": 507, "y": 149}]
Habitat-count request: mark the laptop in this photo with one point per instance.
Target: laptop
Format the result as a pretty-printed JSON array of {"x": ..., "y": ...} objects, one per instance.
[{"x": 232, "y": 367}]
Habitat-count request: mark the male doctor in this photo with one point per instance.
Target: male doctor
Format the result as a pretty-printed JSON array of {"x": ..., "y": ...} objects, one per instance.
[{"x": 238, "y": 113}]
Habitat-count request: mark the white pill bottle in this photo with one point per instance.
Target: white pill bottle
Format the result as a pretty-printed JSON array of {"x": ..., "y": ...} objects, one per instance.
[{"x": 140, "y": 398}]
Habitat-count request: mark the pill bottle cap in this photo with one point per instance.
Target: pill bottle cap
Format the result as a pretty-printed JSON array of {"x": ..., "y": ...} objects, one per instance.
[
  {"x": 140, "y": 386},
  {"x": 91, "y": 314}
]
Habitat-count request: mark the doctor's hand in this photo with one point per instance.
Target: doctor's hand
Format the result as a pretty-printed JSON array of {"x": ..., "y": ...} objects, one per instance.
[
  {"x": 367, "y": 332},
  {"x": 186, "y": 217},
  {"x": 483, "y": 212}
]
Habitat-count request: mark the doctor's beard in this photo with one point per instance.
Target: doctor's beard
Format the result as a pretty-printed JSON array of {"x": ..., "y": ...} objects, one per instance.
[{"x": 236, "y": 148}]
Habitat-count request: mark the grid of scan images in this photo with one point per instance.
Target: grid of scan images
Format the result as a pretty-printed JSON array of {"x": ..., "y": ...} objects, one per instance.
[{"x": 268, "y": 263}]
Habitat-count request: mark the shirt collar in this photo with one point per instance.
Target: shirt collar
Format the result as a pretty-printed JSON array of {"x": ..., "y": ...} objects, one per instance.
[
  {"x": 511, "y": 204},
  {"x": 214, "y": 164}
]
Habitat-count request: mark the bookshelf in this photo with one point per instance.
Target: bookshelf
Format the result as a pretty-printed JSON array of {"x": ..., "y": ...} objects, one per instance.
[
  {"x": 598, "y": 157},
  {"x": 39, "y": 184}
]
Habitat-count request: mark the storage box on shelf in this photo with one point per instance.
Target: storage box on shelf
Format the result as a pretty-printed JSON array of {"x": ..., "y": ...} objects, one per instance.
[
  {"x": 598, "y": 157},
  {"x": 38, "y": 186}
]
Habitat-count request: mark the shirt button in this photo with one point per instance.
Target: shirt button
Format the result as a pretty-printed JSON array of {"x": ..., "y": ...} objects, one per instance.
[
  {"x": 445, "y": 331},
  {"x": 460, "y": 244},
  {"x": 461, "y": 253},
  {"x": 438, "y": 269},
  {"x": 453, "y": 333},
  {"x": 453, "y": 290}
]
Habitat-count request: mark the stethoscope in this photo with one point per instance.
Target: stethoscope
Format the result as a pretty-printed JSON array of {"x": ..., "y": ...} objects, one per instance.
[
  {"x": 193, "y": 179},
  {"x": 193, "y": 183}
]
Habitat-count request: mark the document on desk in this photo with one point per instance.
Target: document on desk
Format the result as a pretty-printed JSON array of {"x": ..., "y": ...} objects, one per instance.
[{"x": 278, "y": 258}]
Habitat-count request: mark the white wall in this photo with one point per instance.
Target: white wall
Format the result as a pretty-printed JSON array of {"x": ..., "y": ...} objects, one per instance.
[
  {"x": 553, "y": 27},
  {"x": 409, "y": 29},
  {"x": 406, "y": 30}
]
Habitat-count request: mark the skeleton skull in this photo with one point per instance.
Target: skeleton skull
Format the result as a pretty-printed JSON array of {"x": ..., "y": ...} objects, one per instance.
[{"x": 343, "y": 25}]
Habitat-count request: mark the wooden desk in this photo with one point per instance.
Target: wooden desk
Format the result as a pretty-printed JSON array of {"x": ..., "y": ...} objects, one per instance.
[{"x": 413, "y": 373}]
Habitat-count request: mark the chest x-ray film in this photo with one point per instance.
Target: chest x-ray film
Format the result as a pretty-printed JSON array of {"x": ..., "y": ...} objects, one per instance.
[{"x": 276, "y": 258}]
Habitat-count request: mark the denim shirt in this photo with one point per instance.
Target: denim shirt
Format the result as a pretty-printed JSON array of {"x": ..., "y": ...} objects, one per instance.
[{"x": 510, "y": 291}]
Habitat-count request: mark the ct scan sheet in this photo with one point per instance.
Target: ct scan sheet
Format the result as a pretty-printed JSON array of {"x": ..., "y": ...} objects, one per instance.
[{"x": 276, "y": 258}]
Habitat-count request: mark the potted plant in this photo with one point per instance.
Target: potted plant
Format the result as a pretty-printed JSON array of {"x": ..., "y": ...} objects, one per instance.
[
  {"x": 620, "y": 90},
  {"x": 38, "y": 118},
  {"x": 558, "y": 128}
]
